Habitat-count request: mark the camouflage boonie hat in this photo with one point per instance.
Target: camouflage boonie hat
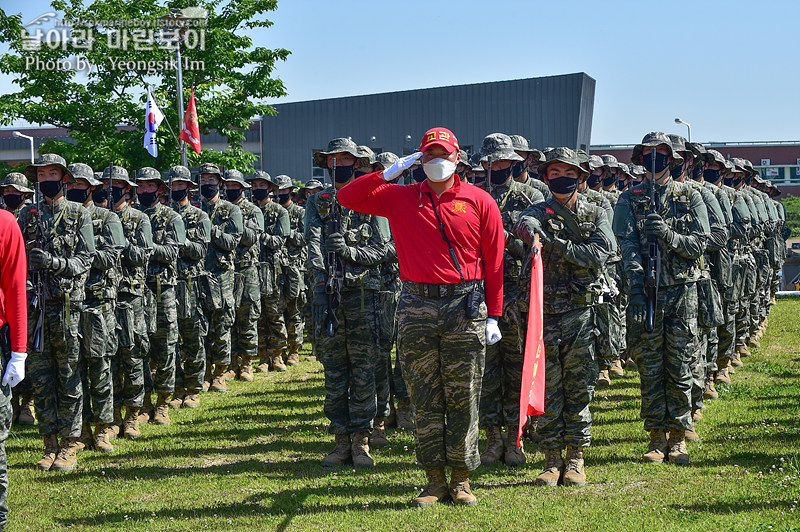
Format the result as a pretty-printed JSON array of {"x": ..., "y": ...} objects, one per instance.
[
  {"x": 562, "y": 155},
  {"x": 636, "y": 169},
  {"x": 386, "y": 159},
  {"x": 583, "y": 157},
  {"x": 595, "y": 162},
  {"x": 498, "y": 147},
  {"x": 625, "y": 169},
  {"x": 18, "y": 182},
  {"x": 366, "y": 151},
  {"x": 741, "y": 165},
  {"x": 697, "y": 149},
  {"x": 651, "y": 140},
  {"x": 609, "y": 161},
  {"x": 520, "y": 143},
  {"x": 713, "y": 156},
  {"x": 209, "y": 168},
  {"x": 284, "y": 181},
  {"x": 46, "y": 159},
  {"x": 148, "y": 173},
  {"x": 85, "y": 172},
  {"x": 118, "y": 173},
  {"x": 260, "y": 174},
  {"x": 340, "y": 145},
  {"x": 678, "y": 143},
  {"x": 313, "y": 183},
  {"x": 180, "y": 173},
  {"x": 463, "y": 158},
  {"x": 235, "y": 176}
]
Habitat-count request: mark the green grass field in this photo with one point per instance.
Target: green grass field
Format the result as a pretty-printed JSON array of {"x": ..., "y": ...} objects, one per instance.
[{"x": 249, "y": 460}]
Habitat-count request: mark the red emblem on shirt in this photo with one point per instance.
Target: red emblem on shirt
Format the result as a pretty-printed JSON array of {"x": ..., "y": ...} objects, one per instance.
[{"x": 549, "y": 210}]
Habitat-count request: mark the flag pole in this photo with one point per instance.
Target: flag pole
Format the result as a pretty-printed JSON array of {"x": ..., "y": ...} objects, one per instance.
[{"x": 179, "y": 80}]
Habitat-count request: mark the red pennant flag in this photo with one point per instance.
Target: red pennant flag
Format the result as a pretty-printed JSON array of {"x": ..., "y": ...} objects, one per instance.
[
  {"x": 190, "y": 131},
  {"x": 531, "y": 397}
]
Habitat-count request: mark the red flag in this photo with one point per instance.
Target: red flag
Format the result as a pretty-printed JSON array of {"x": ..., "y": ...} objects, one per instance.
[
  {"x": 190, "y": 131},
  {"x": 531, "y": 397}
]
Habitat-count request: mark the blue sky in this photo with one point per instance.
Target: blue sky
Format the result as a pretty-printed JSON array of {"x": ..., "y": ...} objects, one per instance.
[{"x": 728, "y": 68}]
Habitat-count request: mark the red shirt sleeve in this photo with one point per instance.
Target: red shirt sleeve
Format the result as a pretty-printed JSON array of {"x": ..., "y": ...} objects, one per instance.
[
  {"x": 492, "y": 249},
  {"x": 13, "y": 274},
  {"x": 366, "y": 194}
]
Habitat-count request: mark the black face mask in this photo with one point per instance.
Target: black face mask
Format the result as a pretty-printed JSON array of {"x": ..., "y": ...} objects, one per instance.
[
  {"x": 260, "y": 194},
  {"x": 697, "y": 172},
  {"x": 342, "y": 173},
  {"x": 517, "y": 169},
  {"x": 50, "y": 188},
  {"x": 283, "y": 198},
  {"x": 13, "y": 201},
  {"x": 593, "y": 180},
  {"x": 712, "y": 176},
  {"x": 500, "y": 176},
  {"x": 232, "y": 194},
  {"x": 621, "y": 184},
  {"x": 146, "y": 199},
  {"x": 100, "y": 196},
  {"x": 209, "y": 191},
  {"x": 179, "y": 195},
  {"x": 418, "y": 174},
  {"x": 608, "y": 181},
  {"x": 563, "y": 184},
  {"x": 77, "y": 195},
  {"x": 675, "y": 172},
  {"x": 117, "y": 193},
  {"x": 662, "y": 161},
  {"x": 359, "y": 173}
]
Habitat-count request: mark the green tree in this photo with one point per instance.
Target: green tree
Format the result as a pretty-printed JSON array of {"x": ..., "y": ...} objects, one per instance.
[
  {"x": 104, "y": 109},
  {"x": 792, "y": 204}
]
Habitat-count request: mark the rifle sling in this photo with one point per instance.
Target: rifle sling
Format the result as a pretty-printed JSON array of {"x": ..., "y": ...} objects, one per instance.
[{"x": 446, "y": 240}]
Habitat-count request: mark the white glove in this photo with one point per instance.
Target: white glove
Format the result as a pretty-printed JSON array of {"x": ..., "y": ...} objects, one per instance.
[
  {"x": 15, "y": 371},
  {"x": 401, "y": 165},
  {"x": 492, "y": 331}
]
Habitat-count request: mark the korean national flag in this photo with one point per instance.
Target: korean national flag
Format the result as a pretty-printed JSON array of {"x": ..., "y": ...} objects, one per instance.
[{"x": 152, "y": 118}]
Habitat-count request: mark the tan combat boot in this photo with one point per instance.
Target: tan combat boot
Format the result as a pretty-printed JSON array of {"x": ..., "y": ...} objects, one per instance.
[
  {"x": 460, "y": 493},
  {"x": 233, "y": 368},
  {"x": 514, "y": 456},
  {"x": 147, "y": 410},
  {"x": 697, "y": 415},
  {"x": 691, "y": 435},
  {"x": 340, "y": 454},
  {"x": 574, "y": 475},
  {"x": 722, "y": 372},
  {"x": 86, "y": 439},
  {"x": 753, "y": 342},
  {"x": 359, "y": 449},
  {"x": 177, "y": 399},
  {"x": 616, "y": 368},
  {"x": 51, "y": 449},
  {"x": 677, "y": 447},
  {"x": 263, "y": 360},
  {"x": 67, "y": 455},
  {"x": 116, "y": 426},
  {"x": 294, "y": 356},
  {"x": 246, "y": 369},
  {"x": 743, "y": 351},
  {"x": 102, "y": 443},
  {"x": 378, "y": 437},
  {"x": 218, "y": 384},
  {"x": 711, "y": 391},
  {"x": 553, "y": 467},
  {"x": 435, "y": 491},
  {"x": 736, "y": 361},
  {"x": 161, "y": 416},
  {"x": 192, "y": 400},
  {"x": 405, "y": 420},
  {"x": 277, "y": 363},
  {"x": 494, "y": 446},
  {"x": 603, "y": 380},
  {"x": 25, "y": 415},
  {"x": 658, "y": 448},
  {"x": 131, "y": 423}
]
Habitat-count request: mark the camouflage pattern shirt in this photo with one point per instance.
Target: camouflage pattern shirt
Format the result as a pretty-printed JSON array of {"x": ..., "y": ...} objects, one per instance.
[
  {"x": 252, "y": 227},
  {"x": 192, "y": 254},
  {"x": 169, "y": 234},
  {"x": 109, "y": 239},
  {"x": 138, "y": 245},
  {"x": 226, "y": 231}
]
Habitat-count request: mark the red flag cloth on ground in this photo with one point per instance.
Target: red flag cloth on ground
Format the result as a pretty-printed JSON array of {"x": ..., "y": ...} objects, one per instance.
[
  {"x": 190, "y": 132},
  {"x": 531, "y": 397}
]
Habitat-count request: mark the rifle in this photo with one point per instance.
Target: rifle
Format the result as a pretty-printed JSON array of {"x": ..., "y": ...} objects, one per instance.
[
  {"x": 37, "y": 277},
  {"x": 333, "y": 286},
  {"x": 489, "y": 177},
  {"x": 110, "y": 198},
  {"x": 653, "y": 257}
]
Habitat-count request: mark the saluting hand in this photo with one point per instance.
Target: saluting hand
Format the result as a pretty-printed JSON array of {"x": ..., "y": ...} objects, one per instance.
[{"x": 400, "y": 166}]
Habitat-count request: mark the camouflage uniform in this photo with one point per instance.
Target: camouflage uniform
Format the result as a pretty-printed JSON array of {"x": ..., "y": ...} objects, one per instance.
[
  {"x": 663, "y": 355},
  {"x": 6, "y": 413},
  {"x": 190, "y": 359},
  {"x": 246, "y": 286},
  {"x": 54, "y": 373},
  {"x": 576, "y": 246},
  {"x": 218, "y": 301},
  {"x": 529, "y": 177}
]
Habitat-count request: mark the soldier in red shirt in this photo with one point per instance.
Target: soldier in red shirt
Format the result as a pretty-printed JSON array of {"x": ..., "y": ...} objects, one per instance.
[{"x": 449, "y": 239}]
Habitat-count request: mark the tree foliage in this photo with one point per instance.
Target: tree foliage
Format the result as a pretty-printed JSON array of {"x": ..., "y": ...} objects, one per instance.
[
  {"x": 792, "y": 204},
  {"x": 104, "y": 109}
]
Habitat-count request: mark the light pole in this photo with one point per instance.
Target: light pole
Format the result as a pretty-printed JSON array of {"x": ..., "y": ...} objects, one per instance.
[
  {"x": 688, "y": 126},
  {"x": 20, "y": 135}
]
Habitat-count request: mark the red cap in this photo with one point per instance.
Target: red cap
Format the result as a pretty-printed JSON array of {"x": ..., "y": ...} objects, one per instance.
[{"x": 441, "y": 136}]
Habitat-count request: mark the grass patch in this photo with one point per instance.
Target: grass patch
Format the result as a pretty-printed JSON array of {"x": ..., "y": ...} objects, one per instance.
[{"x": 249, "y": 460}]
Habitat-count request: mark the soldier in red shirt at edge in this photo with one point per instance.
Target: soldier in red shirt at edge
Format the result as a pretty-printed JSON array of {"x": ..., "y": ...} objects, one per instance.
[{"x": 449, "y": 237}]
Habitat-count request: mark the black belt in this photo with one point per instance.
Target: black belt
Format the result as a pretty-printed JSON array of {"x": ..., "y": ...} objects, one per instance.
[{"x": 441, "y": 290}]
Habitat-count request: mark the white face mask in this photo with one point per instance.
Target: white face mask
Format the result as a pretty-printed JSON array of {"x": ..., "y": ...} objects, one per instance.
[{"x": 439, "y": 170}]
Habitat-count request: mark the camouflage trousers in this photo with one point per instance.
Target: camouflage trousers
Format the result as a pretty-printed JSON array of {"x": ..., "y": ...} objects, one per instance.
[
  {"x": 611, "y": 341},
  {"x": 218, "y": 307},
  {"x": 348, "y": 359},
  {"x": 98, "y": 347},
  {"x": 706, "y": 347},
  {"x": 6, "y": 412},
  {"x": 502, "y": 373},
  {"x": 442, "y": 353},
  {"x": 190, "y": 355},
  {"x": 399, "y": 388},
  {"x": 571, "y": 372},
  {"x": 292, "y": 304},
  {"x": 163, "y": 340},
  {"x": 272, "y": 335},
  {"x": 133, "y": 341},
  {"x": 759, "y": 302},
  {"x": 748, "y": 283},
  {"x": 386, "y": 309},
  {"x": 54, "y": 373},
  {"x": 726, "y": 339},
  {"x": 247, "y": 302},
  {"x": 664, "y": 357}
]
